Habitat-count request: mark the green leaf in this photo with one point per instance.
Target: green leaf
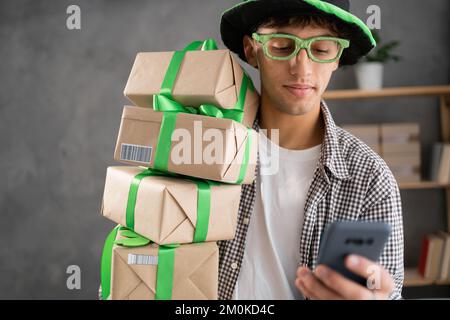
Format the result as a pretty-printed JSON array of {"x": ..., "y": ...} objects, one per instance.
[{"x": 383, "y": 52}]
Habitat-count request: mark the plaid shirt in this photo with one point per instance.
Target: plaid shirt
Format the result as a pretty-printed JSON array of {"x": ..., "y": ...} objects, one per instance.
[{"x": 351, "y": 182}]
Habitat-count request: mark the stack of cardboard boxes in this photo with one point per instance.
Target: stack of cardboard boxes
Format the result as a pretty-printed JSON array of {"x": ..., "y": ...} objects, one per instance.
[
  {"x": 191, "y": 147},
  {"x": 400, "y": 144},
  {"x": 397, "y": 144}
]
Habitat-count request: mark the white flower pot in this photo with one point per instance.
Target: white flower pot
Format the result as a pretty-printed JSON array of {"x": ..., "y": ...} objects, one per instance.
[{"x": 369, "y": 75}]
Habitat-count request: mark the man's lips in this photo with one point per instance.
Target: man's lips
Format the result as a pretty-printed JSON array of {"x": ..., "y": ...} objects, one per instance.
[{"x": 300, "y": 90}]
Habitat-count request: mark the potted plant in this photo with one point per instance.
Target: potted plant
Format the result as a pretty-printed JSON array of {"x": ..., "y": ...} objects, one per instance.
[{"x": 369, "y": 72}]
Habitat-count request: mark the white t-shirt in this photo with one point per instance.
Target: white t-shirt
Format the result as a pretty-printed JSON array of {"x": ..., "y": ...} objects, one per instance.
[{"x": 271, "y": 255}]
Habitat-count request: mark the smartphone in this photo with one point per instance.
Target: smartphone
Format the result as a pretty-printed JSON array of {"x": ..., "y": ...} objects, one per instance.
[{"x": 341, "y": 238}]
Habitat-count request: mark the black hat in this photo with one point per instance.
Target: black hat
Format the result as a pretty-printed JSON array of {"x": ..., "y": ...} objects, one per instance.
[{"x": 245, "y": 17}]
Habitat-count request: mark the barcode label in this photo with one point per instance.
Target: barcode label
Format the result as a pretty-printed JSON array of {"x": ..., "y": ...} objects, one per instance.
[
  {"x": 133, "y": 152},
  {"x": 142, "y": 259}
]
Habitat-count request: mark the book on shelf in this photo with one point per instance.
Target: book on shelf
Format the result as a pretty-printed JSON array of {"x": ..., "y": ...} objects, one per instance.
[
  {"x": 440, "y": 163},
  {"x": 445, "y": 265},
  {"x": 435, "y": 256}
]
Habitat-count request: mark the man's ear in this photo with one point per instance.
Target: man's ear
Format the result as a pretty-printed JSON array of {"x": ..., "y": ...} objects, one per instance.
[{"x": 250, "y": 52}]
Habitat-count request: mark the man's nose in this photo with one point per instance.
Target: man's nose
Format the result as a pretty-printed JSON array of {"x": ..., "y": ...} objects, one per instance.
[{"x": 301, "y": 64}]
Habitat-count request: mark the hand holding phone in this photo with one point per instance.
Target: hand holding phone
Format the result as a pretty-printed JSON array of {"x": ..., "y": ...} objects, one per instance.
[{"x": 341, "y": 238}]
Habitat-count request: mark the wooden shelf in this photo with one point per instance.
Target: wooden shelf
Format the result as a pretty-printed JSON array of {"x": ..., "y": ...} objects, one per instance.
[
  {"x": 414, "y": 279},
  {"x": 423, "y": 185},
  {"x": 387, "y": 92},
  {"x": 443, "y": 92},
  {"x": 442, "y": 282}
]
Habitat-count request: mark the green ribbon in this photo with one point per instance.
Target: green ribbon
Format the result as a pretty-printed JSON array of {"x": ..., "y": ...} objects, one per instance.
[
  {"x": 105, "y": 267},
  {"x": 203, "y": 210},
  {"x": 244, "y": 164},
  {"x": 131, "y": 239},
  {"x": 177, "y": 59},
  {"x": 164, "y": 102},
  {"x": 164, "y": 145},
  {"x": 166, "y": 262},
  {"x": 164, "y": 275},
  {"x": 203, "y": 201}
]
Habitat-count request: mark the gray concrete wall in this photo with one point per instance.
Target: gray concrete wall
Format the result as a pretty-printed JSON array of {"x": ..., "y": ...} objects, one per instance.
[{"x": 61, "y": 101}]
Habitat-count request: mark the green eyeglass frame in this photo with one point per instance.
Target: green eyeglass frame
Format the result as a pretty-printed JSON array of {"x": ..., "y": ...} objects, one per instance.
[{"x": 300, "y": 44}]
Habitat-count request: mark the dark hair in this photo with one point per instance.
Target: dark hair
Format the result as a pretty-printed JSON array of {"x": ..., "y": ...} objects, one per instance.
[{"x": 297, "y": 20}]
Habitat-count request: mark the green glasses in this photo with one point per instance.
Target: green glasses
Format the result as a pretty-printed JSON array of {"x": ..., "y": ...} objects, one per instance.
[{"x": 285, "y": 47}]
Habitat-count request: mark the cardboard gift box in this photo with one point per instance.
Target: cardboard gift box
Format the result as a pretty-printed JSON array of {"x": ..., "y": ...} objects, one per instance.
[
  {"x": 193, "y": 145},
  {"x": 204, "y": 77},
  {"x": 170, "y": 210},
  {"x": 133, "y": 268}
]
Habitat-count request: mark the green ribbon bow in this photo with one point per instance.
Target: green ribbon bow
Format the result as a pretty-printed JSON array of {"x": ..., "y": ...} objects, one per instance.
[
  {"x": 203, "y": 201},
  {"x": 164, "y": 100},
  {"x": 166, "y": 262}
]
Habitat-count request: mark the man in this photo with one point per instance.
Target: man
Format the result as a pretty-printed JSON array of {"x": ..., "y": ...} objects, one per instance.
[{"x": 325, "y": 174}]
